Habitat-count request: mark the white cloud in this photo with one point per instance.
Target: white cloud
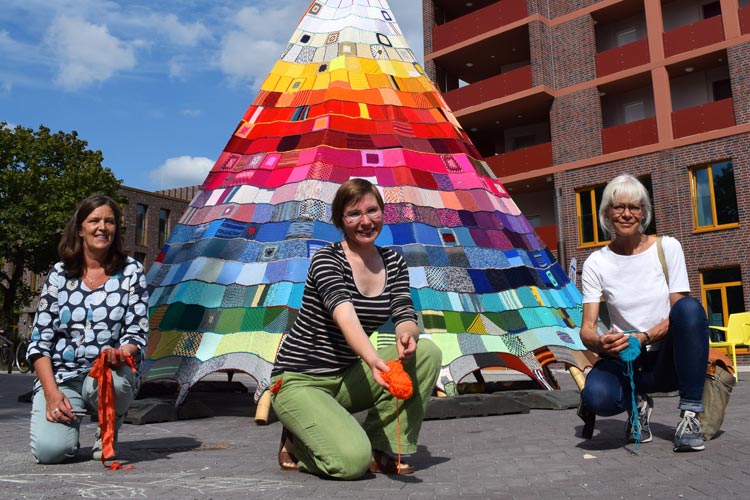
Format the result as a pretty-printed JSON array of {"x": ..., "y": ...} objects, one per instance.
[
  {"x": 244, "y": 57},
  {"x": 180, "y": 172},
  {"x": 180, "y": 33},
  {"x": 252, "y": 47},
  {"x": 87, "y": 53}
]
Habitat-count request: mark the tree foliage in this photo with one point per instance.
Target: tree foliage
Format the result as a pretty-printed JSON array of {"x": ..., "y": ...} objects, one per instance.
[{"x": 43, "y": 177}]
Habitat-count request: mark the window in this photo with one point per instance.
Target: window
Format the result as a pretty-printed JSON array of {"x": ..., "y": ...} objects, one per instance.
[
  {"x": 711, "y": 9},
  {"x": 714, "y": 196},
  {"x": 634, "y": 111},
  {"x": 721, "y": 290},
  {"x": 140, "y": 224},
  {"x": 163, "y": 226},
  {"x": 590, "y": 233},
  {"x": 626, "y": 36},
  {"x": 722, "y": 89},
  {"x": 522, "y": 142},
  {"x": 587, "y": 203}
]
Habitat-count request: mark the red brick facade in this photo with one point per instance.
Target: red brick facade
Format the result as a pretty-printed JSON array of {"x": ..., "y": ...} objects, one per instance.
[{"x": 679, "y": 96}]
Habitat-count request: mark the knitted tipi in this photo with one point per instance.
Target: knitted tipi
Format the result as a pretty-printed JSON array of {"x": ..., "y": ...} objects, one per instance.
[{"x": 346, "y": 99}]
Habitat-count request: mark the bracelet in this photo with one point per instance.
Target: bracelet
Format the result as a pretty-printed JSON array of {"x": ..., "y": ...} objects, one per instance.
[{"x": 648, "y": 337}]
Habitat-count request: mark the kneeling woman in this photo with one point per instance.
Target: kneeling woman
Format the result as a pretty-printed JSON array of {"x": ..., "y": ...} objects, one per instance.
[
  {"x": 327, "y": 368},
  {"x": 653, "y": 304}
]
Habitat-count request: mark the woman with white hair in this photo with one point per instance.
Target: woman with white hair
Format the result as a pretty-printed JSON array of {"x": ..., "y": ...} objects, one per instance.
[{"x": 647, "y": 298}]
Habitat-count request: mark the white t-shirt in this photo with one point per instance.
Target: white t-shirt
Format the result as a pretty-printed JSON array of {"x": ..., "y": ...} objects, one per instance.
[{"x": 634, "y": 286}]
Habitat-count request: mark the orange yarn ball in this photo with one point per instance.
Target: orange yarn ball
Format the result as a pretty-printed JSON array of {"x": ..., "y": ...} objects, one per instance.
[{"x": 399, "y": 382}]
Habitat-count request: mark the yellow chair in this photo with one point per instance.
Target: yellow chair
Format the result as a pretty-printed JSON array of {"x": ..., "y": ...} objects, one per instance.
[{"x": 736, "y": 333}]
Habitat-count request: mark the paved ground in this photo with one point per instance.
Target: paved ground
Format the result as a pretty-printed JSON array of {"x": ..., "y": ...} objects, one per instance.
[{"x": 539, "y": 455}]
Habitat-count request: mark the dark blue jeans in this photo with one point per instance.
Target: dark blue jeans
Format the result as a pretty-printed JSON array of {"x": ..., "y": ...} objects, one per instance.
[{"x": 680, "y": 364}]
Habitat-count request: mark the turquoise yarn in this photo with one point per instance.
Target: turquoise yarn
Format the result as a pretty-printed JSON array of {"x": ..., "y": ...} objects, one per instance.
[{"x": 628, "y": 355}]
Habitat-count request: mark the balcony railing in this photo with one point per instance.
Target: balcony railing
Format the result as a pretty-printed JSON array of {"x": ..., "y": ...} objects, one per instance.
[
  {"x": 693, "y": 36},
  {"x": 493, "y": 87},
  {"x": 620, "y": 58},
  {"x": 548, "y": 234},
  {"x": 629, "y": 135},
  {"x": 706, "y": 117},
  {"x": 521, "y": 160},
  {"x": 745, "y": 20},
  {"x": 480, "y": 21}
]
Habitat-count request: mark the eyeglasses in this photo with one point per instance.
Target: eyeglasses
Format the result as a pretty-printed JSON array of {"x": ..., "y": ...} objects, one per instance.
[
  {"x": 355, "y": 216},
  {"x": 619, "y": 209}
]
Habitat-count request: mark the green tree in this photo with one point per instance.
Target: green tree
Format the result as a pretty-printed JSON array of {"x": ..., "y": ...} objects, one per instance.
[{"x": 43, "y": 177}]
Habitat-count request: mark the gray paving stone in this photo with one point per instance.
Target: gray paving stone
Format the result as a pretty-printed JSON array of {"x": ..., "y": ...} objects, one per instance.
[{"x": 539, "y": 454}]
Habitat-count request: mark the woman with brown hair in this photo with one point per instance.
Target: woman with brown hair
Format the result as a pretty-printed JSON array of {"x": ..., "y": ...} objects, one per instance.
[
  {"x": 327, "y": 367},
  {"x": 94, "y": 300}
]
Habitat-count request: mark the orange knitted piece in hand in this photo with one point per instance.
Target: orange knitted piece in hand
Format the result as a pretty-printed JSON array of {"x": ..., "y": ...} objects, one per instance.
[{"x": 399, "y": 382}]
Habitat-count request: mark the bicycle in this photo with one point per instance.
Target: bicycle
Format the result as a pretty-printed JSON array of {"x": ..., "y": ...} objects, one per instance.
[
  {"x": 22, "y": 364},
  {"x": 6, "y": 354}
]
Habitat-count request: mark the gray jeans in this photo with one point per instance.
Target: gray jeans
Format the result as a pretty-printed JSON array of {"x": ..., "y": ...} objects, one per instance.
[{"x": 53, "y": 442}]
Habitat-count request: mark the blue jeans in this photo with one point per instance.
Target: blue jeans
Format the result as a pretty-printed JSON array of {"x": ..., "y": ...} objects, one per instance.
[{"x": 680, "y": 365}]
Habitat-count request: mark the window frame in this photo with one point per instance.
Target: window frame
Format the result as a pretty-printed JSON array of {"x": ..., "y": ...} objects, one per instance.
[
  {"x": 722, "y": 287},
  {"x": 142, "y": 221},
  {"x": 715, "y": 226},
  {"x": 163, "y": 232},
  {"x": 591, "y": 192}
]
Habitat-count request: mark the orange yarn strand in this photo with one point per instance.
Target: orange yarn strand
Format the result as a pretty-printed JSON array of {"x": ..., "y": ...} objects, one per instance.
[
  {"x": 103, "y": 374},
  {"x": 400, "y": 385}
]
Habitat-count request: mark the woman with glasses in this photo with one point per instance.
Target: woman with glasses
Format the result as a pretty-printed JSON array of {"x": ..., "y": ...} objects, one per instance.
[
  {"x": 327, "y": 368},
  {"x": 645, "y": 302}
]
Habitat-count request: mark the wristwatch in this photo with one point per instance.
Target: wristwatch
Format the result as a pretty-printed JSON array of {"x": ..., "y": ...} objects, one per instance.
[{"x": 648, "y": 338}]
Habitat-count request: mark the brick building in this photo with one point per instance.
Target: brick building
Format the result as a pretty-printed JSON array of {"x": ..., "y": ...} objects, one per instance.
[
  {"x": 560, "y": 96},
  {"x": 149, "y": 217}
]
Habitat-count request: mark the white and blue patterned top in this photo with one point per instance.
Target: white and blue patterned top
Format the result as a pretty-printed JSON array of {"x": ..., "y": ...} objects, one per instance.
[{"x": 73, "y": 324}]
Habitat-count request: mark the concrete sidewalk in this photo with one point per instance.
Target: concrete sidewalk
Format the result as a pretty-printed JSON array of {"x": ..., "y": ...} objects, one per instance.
[{"x": 539, "y": 455}]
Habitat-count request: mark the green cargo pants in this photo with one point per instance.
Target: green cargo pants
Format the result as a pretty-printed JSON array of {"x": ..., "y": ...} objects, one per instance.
[{"x": 318, "y": 410}]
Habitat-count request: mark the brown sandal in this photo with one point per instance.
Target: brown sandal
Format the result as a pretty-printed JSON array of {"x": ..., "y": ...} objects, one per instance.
[
  {"x": 383, "y": 463},
  {"x": 287, "y": 460}
]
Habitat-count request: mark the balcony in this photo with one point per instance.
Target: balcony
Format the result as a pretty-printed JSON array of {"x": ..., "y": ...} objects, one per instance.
[
  {"x": 693, "y": 36},
  {"x": 745, "y": 20},
  {"x": 548, "y": 234},
  {"x": 704, "y": 118},
  {"x": 629, "y": 135},
  {"x": 495, "y": 87},
  {"x": 521, "y": 160},
  {"x": 620, "y": 58},
  {"x": 480, "y": 21}
]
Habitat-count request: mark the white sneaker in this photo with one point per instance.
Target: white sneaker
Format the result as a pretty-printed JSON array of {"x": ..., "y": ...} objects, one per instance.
[
  {"x": 96, "y": 450},
  {"x": 645, "y": 407},
  {"x": 689, "y": 433}
]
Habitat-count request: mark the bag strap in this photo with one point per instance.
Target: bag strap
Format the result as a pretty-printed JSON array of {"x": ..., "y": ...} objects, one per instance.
[{"x": 662, "y": 259}]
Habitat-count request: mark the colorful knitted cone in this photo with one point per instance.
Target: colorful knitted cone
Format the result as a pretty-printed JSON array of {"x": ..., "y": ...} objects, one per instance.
[{"x": 347, "y": 99}]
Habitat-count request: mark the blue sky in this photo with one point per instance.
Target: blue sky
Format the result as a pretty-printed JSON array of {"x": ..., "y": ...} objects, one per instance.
[{"x": 157, "y": 86}]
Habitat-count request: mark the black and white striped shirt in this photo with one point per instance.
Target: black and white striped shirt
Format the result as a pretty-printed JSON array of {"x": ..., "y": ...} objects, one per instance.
[{"x": 315, "y": 344}]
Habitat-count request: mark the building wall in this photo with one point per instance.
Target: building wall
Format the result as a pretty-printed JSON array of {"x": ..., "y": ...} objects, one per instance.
[
  {"x": 739, "y": 71},
  {"x": 563, "y": 52},
  {"x": 154, "y": 203},
  {"x": 576, "y": 135}
]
